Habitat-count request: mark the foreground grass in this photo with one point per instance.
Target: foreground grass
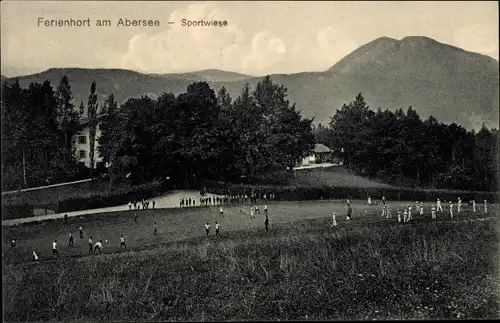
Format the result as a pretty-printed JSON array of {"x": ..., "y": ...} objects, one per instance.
[{"x": 297, "y": 271}]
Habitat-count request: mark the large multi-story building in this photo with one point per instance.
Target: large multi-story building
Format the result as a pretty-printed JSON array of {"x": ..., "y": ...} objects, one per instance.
[{"x": 82, "y": 145}]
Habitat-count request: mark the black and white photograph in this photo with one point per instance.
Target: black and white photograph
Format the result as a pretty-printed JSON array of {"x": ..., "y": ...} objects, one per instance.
[{"x": 250, "y": 160}]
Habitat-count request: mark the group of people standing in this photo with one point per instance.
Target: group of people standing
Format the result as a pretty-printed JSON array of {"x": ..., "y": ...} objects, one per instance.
[
  {"x": 93, "y": 248},
  {"x": 138, "y": 205}
]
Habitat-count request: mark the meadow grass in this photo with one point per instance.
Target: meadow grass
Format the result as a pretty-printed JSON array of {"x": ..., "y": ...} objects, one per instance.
[{"x": 375, "y": 270}]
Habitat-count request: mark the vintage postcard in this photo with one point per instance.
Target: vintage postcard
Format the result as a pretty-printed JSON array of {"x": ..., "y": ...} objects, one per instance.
[{"x": 263, "y": 161}]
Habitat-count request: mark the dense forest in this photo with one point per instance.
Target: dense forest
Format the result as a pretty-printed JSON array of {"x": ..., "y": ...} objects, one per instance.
[
  {"x": 197, "y": 135},
  {"x": 404, "y": 150},
  {"x": 201, "y": 134}
]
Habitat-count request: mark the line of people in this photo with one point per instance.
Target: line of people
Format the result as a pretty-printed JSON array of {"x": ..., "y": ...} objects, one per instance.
[
  {"x": 224, "y": 200},
  {"x": 138, "y": 205}
]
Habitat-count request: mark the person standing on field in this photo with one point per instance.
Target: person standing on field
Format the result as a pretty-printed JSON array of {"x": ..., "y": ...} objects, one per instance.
[
  {"x": 90, "y": 244},
  {"x": 122, "y": 242},
  {"x": 216, "y": 228},
  {"x": 459, "y": 205},
  {"x": 265, "y": 209},
  {"x": 81, "y": 232},
  {"x": 384, "y": 210},
  {"x": 334, "y": 226},
  {"x": 409, "y": 212},
  {"x": 207, "y": 229},
  {"x": 439, "y": 207},
  {"x": 155, "y": 231},
  {"x": 221, "y": 212},
  {"x": 399, "y": 215},
  {"x": 13, "y": 244},
  {"x": 71, "y": 240},
  {"x": 451, "y": 209},
  {"x": 369, "y": 200},
  {"x": 98, "y": 246},
  {"x": 405, "y": 215},
  {"x": 474, "y": 206},
  {"x": 349, "y": 212},
  {"x": 266, "y": 223},
  {"x": 389, "y": 215},
  {"x": 485, "y": 207},
  {"x": 433, "y": 212},
  {"x": 422, "y": 208},
  {"x": 55, "y": 253},
  {"x": 251, "y": 213},
  {"x": 129, "y": 205}
]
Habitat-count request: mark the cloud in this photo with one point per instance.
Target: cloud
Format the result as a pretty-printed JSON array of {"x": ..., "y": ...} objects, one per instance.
[
  {"x": 188, "y": 48},
  {"x": 267, "y": 50},
  {"x": 195, "y": 48}
]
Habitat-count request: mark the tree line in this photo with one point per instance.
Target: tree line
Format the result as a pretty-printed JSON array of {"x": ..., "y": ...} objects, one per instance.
[
  {"x": 201, "y": 134},
  {"x": 404, "y": 150},
  {"x": 196, "y": 135}
]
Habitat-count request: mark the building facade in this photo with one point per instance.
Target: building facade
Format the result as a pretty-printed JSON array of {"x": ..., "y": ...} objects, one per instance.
[{"x": 82, "y": 146}]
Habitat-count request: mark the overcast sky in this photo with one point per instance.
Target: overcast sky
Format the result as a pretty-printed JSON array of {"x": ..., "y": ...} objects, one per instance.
[{"x": 260, "y": 38}]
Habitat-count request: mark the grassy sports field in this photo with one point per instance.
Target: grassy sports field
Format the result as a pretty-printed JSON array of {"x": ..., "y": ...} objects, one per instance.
[
  {"x": 177, "y": 224},
  {"x": 377, "y": 269}
]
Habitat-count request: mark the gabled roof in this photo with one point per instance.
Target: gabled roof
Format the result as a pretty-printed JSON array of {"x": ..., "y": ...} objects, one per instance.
[{"x": 320, "y": 148}]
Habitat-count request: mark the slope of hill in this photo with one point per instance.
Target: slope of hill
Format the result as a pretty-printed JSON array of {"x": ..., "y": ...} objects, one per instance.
[
  {"x": 208, "y": 76},
  {"x": 450, "y": 83}
]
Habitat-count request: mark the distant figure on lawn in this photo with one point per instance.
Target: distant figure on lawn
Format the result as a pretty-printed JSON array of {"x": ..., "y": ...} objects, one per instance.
[
  {"x": 399, "y": 215},
  {"x": 207, "y": 229},
  {"x": 389, "y": 215},
  {"x": 252, "y": 216},
  {"x": 90, "y": 244},
  {"x": 439, "y": 207},
  {"x": 257, "y": 211},
  {"x": 13, "y": 244},
  {"x": 369, "y": 200},
  {"x": 383, "y": 200},
  {"x": 384, "y": 210},
  {"x": 405, "y": 215},
  {"x": 35, "y": 256},
  {"x": 55, "y": 253},
  {"x": 421, "y": 208},
  {"x": 459, "y": 205},
  {"x": 485, "y": 207},
  {"x": 154, "y": 204},
  {"x": 349, "y": 211},
  {"x": 266, "y": 223},
  {"x": 129, "y": 205},
  {"x": 122, "y": 241},
  {"x": 216, "y": 228},
  {"x": 433, "y": 212},
  {"x": 155, "y": 232},
  {"x": 98, "y": 246},
  {"x": 409, "y": 212},
  {"x": 71, "y": 240},
  {"x": 221, "y": 212},
  {"x": 474, "y": 206},
  {"x": 334, "y": 226},
  {"x": 265, "y": 209},
  {"x": 135, "y": 217},
  {"x": 66, "y": 218},
  {"x": 451, "y": 209},
  {"x": 81, "y": 232}
]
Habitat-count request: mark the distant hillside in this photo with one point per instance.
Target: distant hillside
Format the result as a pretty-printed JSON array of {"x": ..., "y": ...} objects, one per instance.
[
  {"x": 208, "y": 76},
  {"x": 452, "y": 84}
]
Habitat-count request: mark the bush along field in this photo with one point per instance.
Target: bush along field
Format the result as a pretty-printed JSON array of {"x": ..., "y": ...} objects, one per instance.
[
  {"x": 300, "y": 270},
  {"x": 22, "y": 207}
]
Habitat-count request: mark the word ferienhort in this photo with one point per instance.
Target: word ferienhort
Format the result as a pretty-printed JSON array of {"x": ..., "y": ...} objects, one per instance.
[{"x": 122, "y": 22}]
